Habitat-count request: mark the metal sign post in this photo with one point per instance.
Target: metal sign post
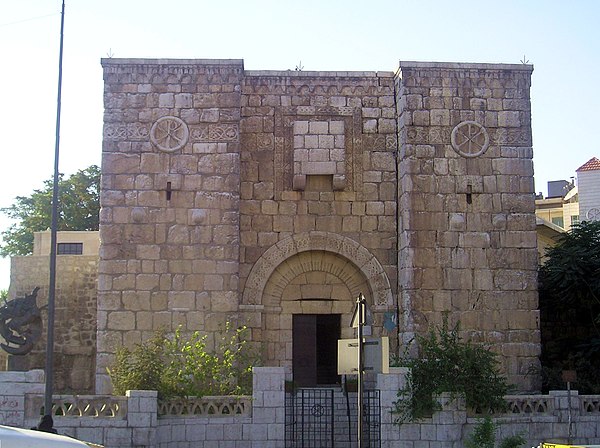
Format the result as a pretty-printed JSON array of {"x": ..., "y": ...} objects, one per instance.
[
  {"x": 357, "y": 356},
  {"x": 569, "y": 376},
  {"x": 360, "y": 313}
]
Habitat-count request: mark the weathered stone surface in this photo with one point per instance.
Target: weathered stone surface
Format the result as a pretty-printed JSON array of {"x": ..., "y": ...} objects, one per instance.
[{"x": 298, "y": 185}]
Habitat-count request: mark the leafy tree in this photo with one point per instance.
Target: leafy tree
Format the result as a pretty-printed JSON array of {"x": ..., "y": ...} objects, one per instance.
[
  {"x": 571, "y": 274},
  {"x": 569, "y": 285},
  {"x": 78, "y": 209}
]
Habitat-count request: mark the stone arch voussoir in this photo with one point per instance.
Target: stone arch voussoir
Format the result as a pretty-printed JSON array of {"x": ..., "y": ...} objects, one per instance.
[{"x": 357, "y": 254}]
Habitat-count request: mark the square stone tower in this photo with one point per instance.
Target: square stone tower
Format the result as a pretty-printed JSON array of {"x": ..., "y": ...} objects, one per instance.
[
  {"x": 467, "y": 238},
  {"x": 169, "y": 221}
]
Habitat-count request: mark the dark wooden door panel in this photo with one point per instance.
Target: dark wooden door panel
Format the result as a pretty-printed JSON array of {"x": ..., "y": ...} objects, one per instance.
[{"x": 304, "y": 349}]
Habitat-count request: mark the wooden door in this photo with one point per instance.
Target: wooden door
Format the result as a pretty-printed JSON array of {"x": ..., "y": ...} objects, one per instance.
[{"x": 314, "y": 349}]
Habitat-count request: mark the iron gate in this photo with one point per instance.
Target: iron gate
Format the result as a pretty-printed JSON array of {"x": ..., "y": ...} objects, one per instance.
[{"x": 326, "y": 418}]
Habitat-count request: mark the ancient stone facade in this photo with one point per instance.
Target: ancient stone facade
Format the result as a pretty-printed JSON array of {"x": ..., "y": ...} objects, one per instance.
[
  {"x": 260, "y": 197},
  {"x": 75, "y": 309}
]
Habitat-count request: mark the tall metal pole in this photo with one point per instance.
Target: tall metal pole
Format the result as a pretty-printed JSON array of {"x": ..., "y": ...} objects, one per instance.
[
  {"x": 361, "y": 321},
  {"x": 53, "y": 231}
]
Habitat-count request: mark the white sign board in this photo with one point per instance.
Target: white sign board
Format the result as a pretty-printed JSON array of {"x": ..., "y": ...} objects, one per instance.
[{"x": 376, "y": 356}]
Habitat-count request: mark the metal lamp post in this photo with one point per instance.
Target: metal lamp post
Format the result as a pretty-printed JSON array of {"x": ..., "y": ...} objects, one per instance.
[{"x": 53, "y": 238}]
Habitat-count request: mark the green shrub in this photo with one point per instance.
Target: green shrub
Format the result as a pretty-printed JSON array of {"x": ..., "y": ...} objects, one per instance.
[
  {"x": 447, "y": 364},
  {"x": 515, "y": 441},
  {"x": 483, "y": 436},
  {"x": 140, "y": 368},
  {"x": 179, "y": 366}
]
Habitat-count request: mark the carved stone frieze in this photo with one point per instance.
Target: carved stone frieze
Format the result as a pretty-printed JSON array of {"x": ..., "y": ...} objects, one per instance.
[
  {"x": 514, "y": 137},
  {"x": 380, "y": 142},
  {"x": 199, "y": 133},
  {"x": 442, "y": 135},
  {"x": 224, "y": 132},
  {"x": 126, "y": 132}
]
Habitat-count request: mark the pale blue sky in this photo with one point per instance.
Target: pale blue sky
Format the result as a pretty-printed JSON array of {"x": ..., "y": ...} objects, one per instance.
[{"x": 561, "y": 39}]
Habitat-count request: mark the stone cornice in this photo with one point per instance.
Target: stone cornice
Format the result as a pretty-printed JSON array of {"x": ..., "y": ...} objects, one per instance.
[
  {"x": 173, "y": 62},
  {"x": 463, "y": 66}
]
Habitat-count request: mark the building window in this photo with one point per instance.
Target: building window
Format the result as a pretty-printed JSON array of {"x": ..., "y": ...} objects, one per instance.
[
  {"x": 70, "y": 248},
  {"x": 574, "y": 219},
  {"x": 558, "y": 221}
]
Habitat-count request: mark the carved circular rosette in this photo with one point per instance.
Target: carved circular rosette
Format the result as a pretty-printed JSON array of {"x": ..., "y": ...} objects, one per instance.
[
  {"x": 169, "y": 133},
  {"x": 470, "y": 139},
  {"x": 593, "y": 214}
]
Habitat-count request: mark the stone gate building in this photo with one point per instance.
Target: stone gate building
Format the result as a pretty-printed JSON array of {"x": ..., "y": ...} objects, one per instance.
[{"x": 273, "y": 198}]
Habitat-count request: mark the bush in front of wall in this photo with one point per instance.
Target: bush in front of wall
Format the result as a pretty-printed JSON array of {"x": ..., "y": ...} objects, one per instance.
[
  {"x": 484, "y": 436},
  {"x": 449, "y": 364},
  {"x": 180, "y": 366},
  {"x": 139, "y": 368},
  {"x": 514, "y": 441}
]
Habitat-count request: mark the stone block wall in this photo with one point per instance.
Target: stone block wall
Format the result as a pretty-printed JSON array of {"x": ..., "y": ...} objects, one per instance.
[
  {"x": 318, "y": 172},
  {"x": 467, "y": 239},
  {"x": 256, "y": 195},
  {"x": 210, "y": 171},
  {"x": 14, "y": 388},
  {"x": 169, "y": 219},
  {"x": 75, "y": 318}
]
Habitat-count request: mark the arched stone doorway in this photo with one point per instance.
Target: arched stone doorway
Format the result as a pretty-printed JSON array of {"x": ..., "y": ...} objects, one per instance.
[{"x": 303, "y": 292}]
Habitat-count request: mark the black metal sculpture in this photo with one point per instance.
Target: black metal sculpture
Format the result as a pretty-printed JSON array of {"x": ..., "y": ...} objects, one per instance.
[{"x": 20, "y": 324}]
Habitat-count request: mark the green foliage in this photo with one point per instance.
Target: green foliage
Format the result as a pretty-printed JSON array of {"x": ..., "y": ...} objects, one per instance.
[
  {"x": 514, "y": 441},
  {"x": 579, "y": 359},
  {"x": 448, "y": 364},
  {"x": 569, "y": 287},
  {"x": 78, "y": 209},
  {"x": 483, "y": 436},
  {"x": 3, "y": 296},
  {"x": 570, "y": 275},
  {"x": 141, "y": 368},
  {"x": 176, "y": 366}
]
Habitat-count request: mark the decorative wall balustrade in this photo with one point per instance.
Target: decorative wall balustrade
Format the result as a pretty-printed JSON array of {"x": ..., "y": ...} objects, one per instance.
[
  {"x": 207, "y": 406},
  {"x": 100, "y": 406},
  {"x": 530, "y": 404},
  {"x": 590, "y": 404}
]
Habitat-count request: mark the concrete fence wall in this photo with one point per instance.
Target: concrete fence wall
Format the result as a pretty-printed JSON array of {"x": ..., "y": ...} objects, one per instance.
[{"x": 135, "y": 420}]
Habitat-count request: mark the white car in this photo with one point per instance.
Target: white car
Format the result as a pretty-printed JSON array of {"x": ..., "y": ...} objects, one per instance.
[{"x": 11, "y": 437}]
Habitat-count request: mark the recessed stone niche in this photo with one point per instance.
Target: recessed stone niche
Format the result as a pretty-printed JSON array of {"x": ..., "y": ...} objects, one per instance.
[{"x": 319, "y": 149}]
